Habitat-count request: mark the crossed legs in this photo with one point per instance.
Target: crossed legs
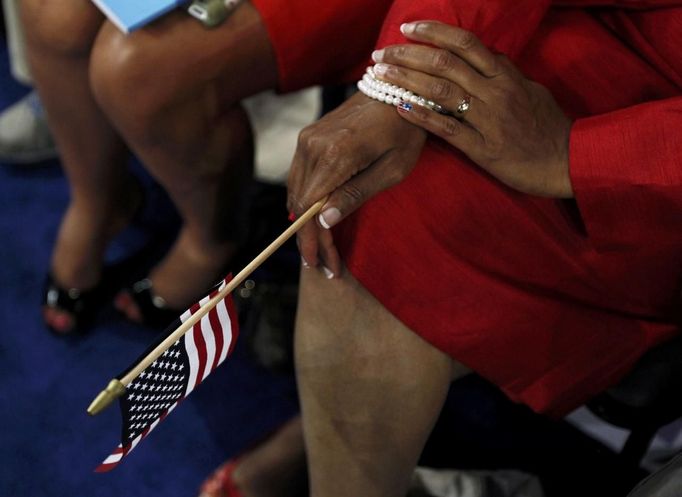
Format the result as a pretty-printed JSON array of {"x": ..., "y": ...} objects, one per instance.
[
  {"x": 370, "y": 389},
  {"x": 186, "y": 125},
  {"x": 172, "y": 93}
]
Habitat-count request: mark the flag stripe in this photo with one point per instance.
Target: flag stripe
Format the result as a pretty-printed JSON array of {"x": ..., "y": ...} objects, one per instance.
[
  {"x": 217, "y": 328},
  {"x": 210, "y": 341},
  {"x": 200, "y": 350},
  {"x": 201, "y": 344},
  {"x": 193, "y": 357},
  {"x": 112, "y": 461},
  {"x": 226, "y": 325}
]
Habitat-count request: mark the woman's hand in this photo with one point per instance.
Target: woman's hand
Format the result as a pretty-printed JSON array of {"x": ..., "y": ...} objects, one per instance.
[
  {"x": 513, "y": 127},
  {"x": 351, "y": 154}
]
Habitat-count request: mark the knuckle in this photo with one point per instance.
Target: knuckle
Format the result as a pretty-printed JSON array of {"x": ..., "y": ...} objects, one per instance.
[
  {"x": 299, "y": 205},
  {"x": 442, "y": 90},
  {"x": 465, "y": 40},
  {"x": 304, "y": 138},
  {"x": 351, "y": 194},
  {"x": 307, "y": 138},
  {"x": 395, "y": 175},
  {"x": 451, "y": 127},
  {"x": 395, "y": 53},
  {"x": 443, "y": 60}
]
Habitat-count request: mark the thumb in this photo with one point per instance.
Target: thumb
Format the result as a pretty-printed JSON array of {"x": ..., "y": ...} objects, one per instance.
[{"x": 359, "y": 189}]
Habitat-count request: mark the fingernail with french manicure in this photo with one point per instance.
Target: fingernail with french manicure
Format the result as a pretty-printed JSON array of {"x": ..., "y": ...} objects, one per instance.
[
  {"x": 378, "y": 55},
  {"x": 329, "y": 217},
  {"x": 304, "y": 263},
  {"x": 327, "y": 272},
  {"x": 408, "y": 28}
]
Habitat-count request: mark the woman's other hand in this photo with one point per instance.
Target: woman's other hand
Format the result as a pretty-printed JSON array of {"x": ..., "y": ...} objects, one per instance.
[
  {"x": 510, "y": 126},
  {"x": 351, "y": 154}
]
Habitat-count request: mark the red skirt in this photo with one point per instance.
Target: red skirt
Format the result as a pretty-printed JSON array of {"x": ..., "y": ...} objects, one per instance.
[{"x": 507, "y": 284}]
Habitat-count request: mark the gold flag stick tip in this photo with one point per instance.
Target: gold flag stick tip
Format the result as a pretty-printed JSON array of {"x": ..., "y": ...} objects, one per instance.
[{"x": 113, "y": 391}]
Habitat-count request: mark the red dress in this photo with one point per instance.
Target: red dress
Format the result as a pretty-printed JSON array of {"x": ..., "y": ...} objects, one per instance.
[{"x": 553, "y": 301}]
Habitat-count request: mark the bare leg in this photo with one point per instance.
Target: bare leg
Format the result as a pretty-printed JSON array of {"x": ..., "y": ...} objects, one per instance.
[
  {"x": 370, "y": 390},
  {"x": 173, "y": 91},
  {"x": 59, "y": 36}
]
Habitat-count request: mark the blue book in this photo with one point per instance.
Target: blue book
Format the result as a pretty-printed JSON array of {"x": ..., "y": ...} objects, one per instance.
[{"x": 130, "y": 15}]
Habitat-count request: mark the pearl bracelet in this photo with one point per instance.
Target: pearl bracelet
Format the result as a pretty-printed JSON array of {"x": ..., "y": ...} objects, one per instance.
[{"x": 391, "y": 94}]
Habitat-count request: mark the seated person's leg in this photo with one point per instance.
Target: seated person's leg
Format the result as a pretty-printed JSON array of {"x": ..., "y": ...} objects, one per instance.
[
  {"x": 172, "y": 90},
  {"x": 59, "y": 36},
  {"x": 370, "y": 389}
]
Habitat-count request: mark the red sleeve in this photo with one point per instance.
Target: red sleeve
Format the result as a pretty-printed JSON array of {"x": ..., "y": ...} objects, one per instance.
[
  {"x": 626, "y": 171},
  {"x": 503, "y": 25}
]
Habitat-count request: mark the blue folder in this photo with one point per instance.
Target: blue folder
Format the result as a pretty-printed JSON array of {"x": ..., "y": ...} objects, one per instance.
[{"x": 130, "y": 15}]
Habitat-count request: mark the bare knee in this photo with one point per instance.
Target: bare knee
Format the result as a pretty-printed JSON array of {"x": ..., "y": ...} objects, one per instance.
[
  {"x": 67, "y": 28},
  {"x": 144, "y": 87},
  {"x": 125, "y": 79},
  {"x": 141, "y": 79}
]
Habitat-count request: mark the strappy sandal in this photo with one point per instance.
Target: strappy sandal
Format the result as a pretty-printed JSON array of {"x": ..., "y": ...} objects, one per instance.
[
  {"x": 149, "y": 309},
  {"x": 220, "y": 483},
  {"x": 80, "y": 305}
]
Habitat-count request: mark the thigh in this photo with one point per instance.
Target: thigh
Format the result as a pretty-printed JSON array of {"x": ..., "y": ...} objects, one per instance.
[
  {"x": 175, "y": 57},
  {"x": 67, "y": 26}
]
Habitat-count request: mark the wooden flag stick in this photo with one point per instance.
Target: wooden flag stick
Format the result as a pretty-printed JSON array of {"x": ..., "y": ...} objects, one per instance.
[{"x": 116, "y": 387}]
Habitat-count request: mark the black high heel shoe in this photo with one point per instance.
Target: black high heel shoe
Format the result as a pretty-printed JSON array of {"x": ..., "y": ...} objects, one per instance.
[
  {"x": 150, "y": 310},
  {"x": 80, "y": 305}
]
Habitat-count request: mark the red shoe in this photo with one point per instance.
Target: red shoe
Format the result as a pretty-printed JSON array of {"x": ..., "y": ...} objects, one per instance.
[
  {"x": 290, "y": 456},
  {"x": 220, "y": 483}
]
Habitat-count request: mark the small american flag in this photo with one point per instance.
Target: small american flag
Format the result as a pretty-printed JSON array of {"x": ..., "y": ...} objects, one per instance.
[{"x": 158, "y": 389}]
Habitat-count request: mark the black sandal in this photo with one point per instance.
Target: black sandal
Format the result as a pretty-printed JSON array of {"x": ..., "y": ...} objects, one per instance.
[
  {"x": 152, "y": 308},
  {"x": 82, "y": 305}
]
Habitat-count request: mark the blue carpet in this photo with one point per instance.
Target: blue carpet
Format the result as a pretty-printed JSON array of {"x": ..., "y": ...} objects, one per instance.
[{"x": 50, "y": 446}]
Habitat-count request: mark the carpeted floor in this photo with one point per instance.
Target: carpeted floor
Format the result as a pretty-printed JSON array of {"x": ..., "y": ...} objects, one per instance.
[{"x": 50, "y": 446}]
